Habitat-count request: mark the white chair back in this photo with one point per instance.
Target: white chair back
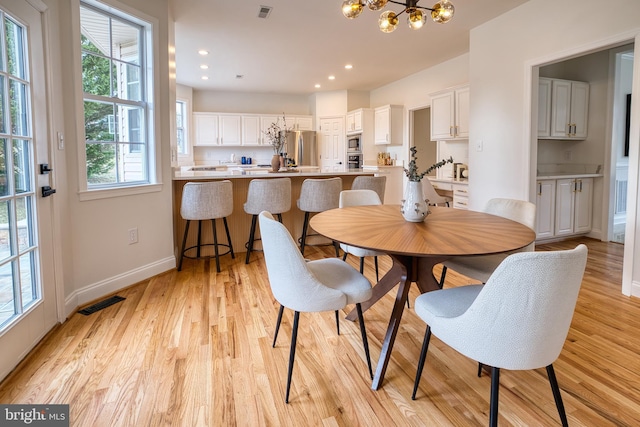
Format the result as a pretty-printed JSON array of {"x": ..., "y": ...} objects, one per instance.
[
  {"x": 431, "y": 195},
  {"x": 358, "y": 198},
  {"x": 292, "y": 284},
  {"x": 207, "y": 200},
  {"x": 516, "y": 210},
  {"x": 521, "y": 317}
]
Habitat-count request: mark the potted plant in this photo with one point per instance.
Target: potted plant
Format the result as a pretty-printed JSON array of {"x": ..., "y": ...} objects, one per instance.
[{"x": 414, "y": 206}]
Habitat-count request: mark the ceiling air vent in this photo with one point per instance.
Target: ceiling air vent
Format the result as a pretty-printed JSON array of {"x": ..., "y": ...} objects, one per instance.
[{"x": 264, "y": 12}]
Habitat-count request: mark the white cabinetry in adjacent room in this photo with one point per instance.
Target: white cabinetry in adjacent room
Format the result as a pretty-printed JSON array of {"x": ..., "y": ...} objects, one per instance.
[
  {"x": 388, "y": 125},
  {"x": 563, "y": 109},
  {"x": 573, "y": 206},
  {"x": 460, "y": 195},
  {"x": 545, "y": 208},
  {"x": 303, "y": 123},
  {"x": 230, "y": 129},
  {"x": 450, "y": 114},
  {"x": 355, "y": 121},
  {"x": 563, "y": 207}
]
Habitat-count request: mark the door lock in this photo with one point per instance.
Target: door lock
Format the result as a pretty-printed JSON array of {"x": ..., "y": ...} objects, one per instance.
[
  {"x": 44, "y": 168},
  {"x": 47, "y": 191}
]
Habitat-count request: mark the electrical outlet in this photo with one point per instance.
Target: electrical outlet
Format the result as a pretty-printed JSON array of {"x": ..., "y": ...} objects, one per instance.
[
  {"x": 133, "y": 235},
  {"x": 567, "y": 155}
]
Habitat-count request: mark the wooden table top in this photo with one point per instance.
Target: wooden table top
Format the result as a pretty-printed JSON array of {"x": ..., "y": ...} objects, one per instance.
[{"x": 446, "y": 232}]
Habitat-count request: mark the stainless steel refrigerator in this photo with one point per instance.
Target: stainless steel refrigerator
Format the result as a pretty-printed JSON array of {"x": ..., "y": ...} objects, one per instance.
[{"x": 302, "y": 147}]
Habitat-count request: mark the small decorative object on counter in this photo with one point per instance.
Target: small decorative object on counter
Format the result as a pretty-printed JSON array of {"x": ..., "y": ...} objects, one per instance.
[
  {"x": 415, "y": 208},
  {"x": 275, "y": 163}
]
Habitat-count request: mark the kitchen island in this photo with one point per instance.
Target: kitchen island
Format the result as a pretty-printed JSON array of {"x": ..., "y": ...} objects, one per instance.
[{"x": 239, "y": 221}]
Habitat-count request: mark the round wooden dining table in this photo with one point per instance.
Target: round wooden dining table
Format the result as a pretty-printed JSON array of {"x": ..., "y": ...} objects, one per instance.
[{"x": 415, "y": 248}]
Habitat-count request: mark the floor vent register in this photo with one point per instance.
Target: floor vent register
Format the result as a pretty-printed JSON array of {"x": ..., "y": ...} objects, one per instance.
[{"x": 100, "y": 305}]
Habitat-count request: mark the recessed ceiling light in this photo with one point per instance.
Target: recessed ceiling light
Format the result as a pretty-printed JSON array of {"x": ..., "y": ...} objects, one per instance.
[
  {"x": 332, "y": 77},
  {"x": 205, "y": 78},
  {"x": 317, "y": 85},
  {"x": 348, "y": 66},
  {"x": 204, "y": 67},
  {"x": 203, "y": 52}
]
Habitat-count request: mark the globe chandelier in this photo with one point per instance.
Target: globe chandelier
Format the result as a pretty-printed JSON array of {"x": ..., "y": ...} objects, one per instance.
[{"x": 442, "y": 12}]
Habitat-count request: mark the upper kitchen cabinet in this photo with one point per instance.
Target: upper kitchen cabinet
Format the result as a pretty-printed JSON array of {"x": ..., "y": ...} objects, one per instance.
[
  {"x": 251, "y": 130},
  {"x": 217, "y": 129},
  {"x": 450, "y": 114},
  {"x": 563, "y": 108},
  {"x": 388, "y": 125},
  {"x": 303, "y": 123},
  {"x": 355, "y": 120}
]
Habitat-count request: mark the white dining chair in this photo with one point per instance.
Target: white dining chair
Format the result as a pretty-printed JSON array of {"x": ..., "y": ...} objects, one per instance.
[
  {"x": 375, "y": 183},
  {"x": 432, "y": 196},
  {"x": 360, "y": 198},
  {"x": 519, "y": 320},
  {"x": 328, "y": 284},
  {"x": 481, "y": 267}
]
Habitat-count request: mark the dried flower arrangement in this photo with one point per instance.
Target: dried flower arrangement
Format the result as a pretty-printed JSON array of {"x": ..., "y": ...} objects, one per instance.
[
  {"x": 277, "y": 134},
  {"x": 412, "y": 172}
]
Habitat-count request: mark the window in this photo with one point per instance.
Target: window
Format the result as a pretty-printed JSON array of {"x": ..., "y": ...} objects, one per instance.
[
  {"x": 181, "y": 128},
  {"x": 116, "y": 105}
]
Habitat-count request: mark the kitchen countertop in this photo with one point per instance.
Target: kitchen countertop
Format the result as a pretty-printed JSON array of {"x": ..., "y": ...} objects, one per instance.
[
  {"x": 259, "y": 172},
  {"x": 569, "y": 175}
]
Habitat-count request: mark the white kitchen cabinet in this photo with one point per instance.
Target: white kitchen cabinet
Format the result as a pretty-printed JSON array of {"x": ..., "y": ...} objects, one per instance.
[
  {"x": 388, "y": 125},
  {"x": 303, "y": 123},
  {"x": 544, "y": 107},
  {"x": 574, "y": 198},
  {"x": 460, "y": 195},
  {"x": 251, "y": 130},
  {"x": 567, "y": 110},
  {"x": 205, "y": 129},
  {"x": 355, "y": 121},
  {"x": 450, "y": 114},
  {"x": 230, "y": 129},
  {"x": 545, "y": 208}
]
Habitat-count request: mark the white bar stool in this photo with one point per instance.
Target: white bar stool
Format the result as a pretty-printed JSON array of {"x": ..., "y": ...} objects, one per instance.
[
  {"x": 206, "y": 201},
  {"x": 271, "y": 195},
  {"x": 318, "y": 195}
]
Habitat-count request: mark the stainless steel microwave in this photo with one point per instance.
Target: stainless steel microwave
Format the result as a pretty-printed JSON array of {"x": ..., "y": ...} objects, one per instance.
[{"x": 353, "y": 144}]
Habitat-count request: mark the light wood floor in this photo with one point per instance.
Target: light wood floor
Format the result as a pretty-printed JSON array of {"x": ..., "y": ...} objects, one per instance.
[{"x": 194, "y": 348}]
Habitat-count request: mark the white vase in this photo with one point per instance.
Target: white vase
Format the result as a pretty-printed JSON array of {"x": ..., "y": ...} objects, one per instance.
[{"x": 414, "y": 207}]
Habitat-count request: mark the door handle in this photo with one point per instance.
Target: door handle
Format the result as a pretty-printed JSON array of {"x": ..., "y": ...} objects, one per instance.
[
  {"x": 47, "y": 191},
  {"x": 44, "y": 168}
]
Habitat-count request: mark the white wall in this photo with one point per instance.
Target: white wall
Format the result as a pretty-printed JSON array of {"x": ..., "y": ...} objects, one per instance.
[
  {"x": 255, "y": 103},
  {"x": 97, "y": 258}
]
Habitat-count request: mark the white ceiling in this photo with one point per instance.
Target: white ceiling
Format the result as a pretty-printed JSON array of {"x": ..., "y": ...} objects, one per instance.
[{"x": 302, "y": 42}]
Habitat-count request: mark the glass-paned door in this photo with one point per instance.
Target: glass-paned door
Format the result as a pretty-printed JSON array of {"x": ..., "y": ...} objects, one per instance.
[{"x": 27, "y": 299}]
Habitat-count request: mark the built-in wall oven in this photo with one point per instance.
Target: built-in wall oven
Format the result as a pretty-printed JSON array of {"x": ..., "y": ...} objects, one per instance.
[{"x": 354, "y": 161}]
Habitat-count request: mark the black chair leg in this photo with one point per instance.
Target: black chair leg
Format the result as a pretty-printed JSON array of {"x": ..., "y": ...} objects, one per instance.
[
  {"x": 336, "y": 245},
  {"x": 479, "y": 369},
  {"x": 442, "y": 276},
  {"x": 279, "y": 217},
  {"x": 365, "y": 341},
  {"x": 344, "y": 257},
  {"x": 361, "y": 265},
  {"x": 495, "y": 389},
  {"x": 215, "y": 244},
  {"x": 303, "y": 239},
  {"x": 252, "y": 235},
  {"x": 199, "y": 239},
  {"x": 275, "y": 334},
  {"x": 423, "y": 357},
  {"x": 184, "y": 242},
  {"x": 226, "y": 228},
  {"x": 337, "y": 322},
  {"x": 556, "y": 395},
  {"x": 292, "y": 353},
  {"x": 375, "y": 261}
]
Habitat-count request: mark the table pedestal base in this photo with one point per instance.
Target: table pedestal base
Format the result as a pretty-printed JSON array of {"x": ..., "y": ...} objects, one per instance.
[{"x": 404, "y": 271}]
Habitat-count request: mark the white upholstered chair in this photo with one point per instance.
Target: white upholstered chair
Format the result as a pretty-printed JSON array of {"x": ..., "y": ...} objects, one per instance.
[
  {"x": 375, "y": 183},
  {"x": 318, "y": 195},
  {"x": 360, "y": 198},
  {"x": 481, "y": 267},
  {"x": 206, "y": 201},
  {"x": 518, "y": 320},
  {"x": 271, "y": 195},
  {"x": 321, "y": 285},
  {"x": 430, "y": 194}
]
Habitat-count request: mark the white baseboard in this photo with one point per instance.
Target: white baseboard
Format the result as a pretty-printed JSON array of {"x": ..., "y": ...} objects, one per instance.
[
  {"x": 635, "y": 289},
  {"x": 113, "y": 284}
]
